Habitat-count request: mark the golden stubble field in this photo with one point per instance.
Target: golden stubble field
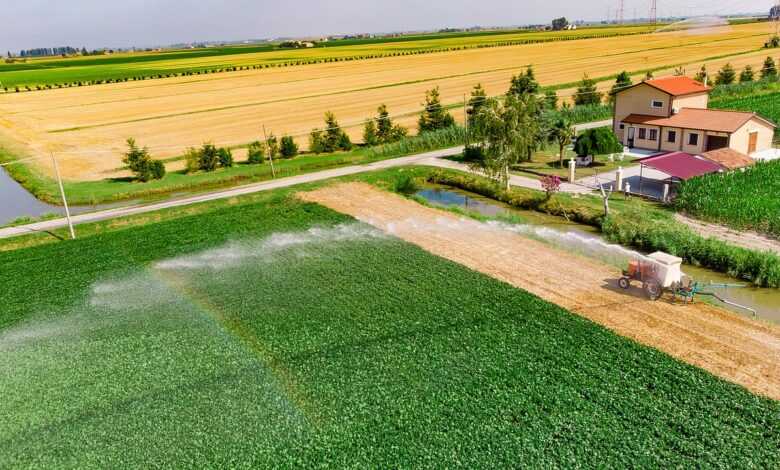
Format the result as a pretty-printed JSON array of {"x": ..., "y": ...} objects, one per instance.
[{"x": 87, "y": 126}]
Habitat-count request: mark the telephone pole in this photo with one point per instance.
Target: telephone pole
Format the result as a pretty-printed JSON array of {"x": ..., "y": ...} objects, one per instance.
[{"x": 62, "y": 194}]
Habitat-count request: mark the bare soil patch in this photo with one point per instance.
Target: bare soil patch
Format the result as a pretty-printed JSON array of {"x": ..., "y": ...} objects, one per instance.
[{"x": 737, "y": 349}]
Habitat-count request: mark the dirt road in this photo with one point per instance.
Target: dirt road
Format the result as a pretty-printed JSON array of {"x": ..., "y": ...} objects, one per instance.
[
  {"x": 729, "y": 346},
  {"x": 744, "y": 238}
]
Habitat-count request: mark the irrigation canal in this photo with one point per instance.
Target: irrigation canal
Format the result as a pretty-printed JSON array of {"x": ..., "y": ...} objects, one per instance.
[{"x": 587, "y": 241}]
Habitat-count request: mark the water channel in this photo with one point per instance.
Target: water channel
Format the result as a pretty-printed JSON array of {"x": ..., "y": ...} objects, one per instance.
[{"x": 586, "y": 240}]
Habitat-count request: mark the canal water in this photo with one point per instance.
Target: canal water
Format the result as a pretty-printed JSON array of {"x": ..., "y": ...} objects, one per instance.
[
  {"x": 586, "y": 240},
  {"x": 16, "y": 202}
]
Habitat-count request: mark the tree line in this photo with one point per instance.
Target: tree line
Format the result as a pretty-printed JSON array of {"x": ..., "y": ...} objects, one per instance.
[
  {"x": 728, "y": 75},
  {"x": 510, "y": 129},
  {"x": 503, "y": 130}
]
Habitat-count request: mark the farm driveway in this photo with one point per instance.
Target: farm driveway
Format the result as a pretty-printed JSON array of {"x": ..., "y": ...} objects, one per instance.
[{"x": 731, "y": 347}]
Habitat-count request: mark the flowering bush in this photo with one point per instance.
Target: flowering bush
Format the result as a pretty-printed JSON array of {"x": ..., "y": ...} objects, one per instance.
[{"x": 551, "y": 185}]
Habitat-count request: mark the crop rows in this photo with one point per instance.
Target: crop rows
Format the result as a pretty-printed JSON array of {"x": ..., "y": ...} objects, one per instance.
[
  {"x": 744, "y": 200},
  {"x": 766, "y": 104},
  {"x": 59, "y": 73},
  {"x": 364, "y": 352}
]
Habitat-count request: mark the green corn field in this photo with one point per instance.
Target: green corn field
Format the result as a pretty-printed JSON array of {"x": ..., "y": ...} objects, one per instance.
[{"x": 743, "y": 200}]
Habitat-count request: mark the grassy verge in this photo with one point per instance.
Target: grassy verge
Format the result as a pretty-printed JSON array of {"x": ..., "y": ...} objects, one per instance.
[
  {"x": 104, "y": 191},
  {"x": 314, "y": 355},
  {"x": 634, "y": 223}
]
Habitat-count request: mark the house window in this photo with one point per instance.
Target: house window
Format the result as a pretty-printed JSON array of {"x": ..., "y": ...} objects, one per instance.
[
  {"x": 653, "y": 134},
  {"x": 671, "y": 137},
  {"x": 657, "y": 104},
  {"x": 693, "y": 139},
  {"x": 643, "y": 133},
  {"x": 622, "y": 126}
]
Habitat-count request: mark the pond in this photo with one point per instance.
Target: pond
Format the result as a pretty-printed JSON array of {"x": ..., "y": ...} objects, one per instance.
[{"x": 587, "y": 241}]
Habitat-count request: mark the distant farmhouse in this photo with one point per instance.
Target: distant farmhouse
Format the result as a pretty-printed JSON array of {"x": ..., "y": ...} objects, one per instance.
[{"x": 670, "y": 115}]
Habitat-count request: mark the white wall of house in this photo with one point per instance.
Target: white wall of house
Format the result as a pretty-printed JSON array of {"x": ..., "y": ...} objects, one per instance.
[
  {"x": 668, "y": 145},
  {"x": 645, "y": 137},
  {"x": 740, "y": 140},
  {"x": 698, "y": 101},
  {"x": 640, "y": 100},
  {"x": 692, "y": 145}
]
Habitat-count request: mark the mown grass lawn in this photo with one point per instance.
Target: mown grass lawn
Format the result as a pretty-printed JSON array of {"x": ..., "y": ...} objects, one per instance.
[{"x": 240, "y": 337}]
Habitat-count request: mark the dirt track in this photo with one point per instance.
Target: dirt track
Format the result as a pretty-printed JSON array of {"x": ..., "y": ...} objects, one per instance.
[{"x": 729, "y": 346}]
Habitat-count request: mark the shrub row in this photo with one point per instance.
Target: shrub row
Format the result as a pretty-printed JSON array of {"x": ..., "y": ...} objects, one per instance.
[{"x": 426, "y": 141}]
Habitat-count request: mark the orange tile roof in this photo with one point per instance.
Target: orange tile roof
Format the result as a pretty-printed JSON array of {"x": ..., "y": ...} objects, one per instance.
[
  {"x": 700, "y": 119},
  {"x": 678, "y": 86},
  {"x": 729, "y": 158}
]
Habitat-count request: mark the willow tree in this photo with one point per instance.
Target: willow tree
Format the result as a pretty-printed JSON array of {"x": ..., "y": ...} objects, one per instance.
[{"x": 505, "y": 132}]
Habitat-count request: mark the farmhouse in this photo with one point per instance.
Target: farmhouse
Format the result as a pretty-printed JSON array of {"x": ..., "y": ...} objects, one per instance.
[{"x": 670, "y": 115}]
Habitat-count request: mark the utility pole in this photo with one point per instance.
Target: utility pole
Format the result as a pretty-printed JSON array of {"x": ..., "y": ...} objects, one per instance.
[
  {"x": 270, "y": 156},
  {"x": 465, "y": 121},
  {"x": 654, "y": 11},
  {"x": 621, "y": 11},
  {"x": 777, "y": 17},
  {"x": 62, "y": 193}
]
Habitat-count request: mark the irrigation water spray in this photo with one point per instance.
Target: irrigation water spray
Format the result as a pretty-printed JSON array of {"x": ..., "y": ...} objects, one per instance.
[
  {"x": 236, "y": 253},
  {"x": 570, "y": 241},
  {"x": 148, "y": 291}
]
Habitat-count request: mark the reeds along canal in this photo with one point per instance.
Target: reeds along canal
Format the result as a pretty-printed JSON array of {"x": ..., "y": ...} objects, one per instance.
[{"x": 587, "y": 241}]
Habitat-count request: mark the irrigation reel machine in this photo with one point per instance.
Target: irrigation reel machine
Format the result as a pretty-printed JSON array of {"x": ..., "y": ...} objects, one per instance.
[{"x": 662, "y": 272}]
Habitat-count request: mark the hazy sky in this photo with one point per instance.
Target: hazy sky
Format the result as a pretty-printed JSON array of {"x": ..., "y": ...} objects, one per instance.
[{"x": 118, "y": 23}]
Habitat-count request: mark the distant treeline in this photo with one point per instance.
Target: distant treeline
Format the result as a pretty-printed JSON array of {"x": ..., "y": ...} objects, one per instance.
[
  {"x": 60, "y": 51},
  {"x": 48, "y": 51}
]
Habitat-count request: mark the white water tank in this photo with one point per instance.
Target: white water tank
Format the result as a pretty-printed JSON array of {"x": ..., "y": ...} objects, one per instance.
[{"x": 669, "y": 268}]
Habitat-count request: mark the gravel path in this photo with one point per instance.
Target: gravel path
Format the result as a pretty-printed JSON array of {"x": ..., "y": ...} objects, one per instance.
[
  {"x": 745, "y": 239},
  {"x": 732, "y": 347}
]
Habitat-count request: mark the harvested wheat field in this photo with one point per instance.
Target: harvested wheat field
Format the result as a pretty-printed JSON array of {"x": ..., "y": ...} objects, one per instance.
[
  {"x": 87, "y": 126},
  {"x": 728, "y": 346}
]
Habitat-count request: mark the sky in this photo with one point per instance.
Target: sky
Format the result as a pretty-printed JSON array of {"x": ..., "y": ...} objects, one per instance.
[{"x": 105, "y": 23}]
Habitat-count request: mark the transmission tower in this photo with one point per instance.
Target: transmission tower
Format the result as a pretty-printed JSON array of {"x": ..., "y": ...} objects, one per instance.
[
  {"x": 654, "y": 11},
  {"x": 777, "y": 17},
  {"x": 621, "y": 11}
]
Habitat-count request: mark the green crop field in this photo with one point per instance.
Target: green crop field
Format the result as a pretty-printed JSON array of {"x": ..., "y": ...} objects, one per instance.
[
  {"x": 746, "y": 200},
  {"x": 270, "y": 332},
  {"x": 760, "y": 97},
  {"x": 764, "y": 104},
  {"x": 63, "y": 71}
]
